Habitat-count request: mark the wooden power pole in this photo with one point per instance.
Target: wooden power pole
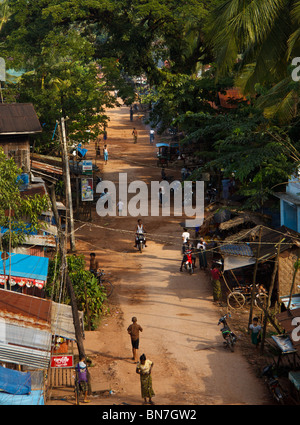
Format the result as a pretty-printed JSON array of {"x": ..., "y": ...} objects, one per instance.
[{"x": 68, "y": 183}]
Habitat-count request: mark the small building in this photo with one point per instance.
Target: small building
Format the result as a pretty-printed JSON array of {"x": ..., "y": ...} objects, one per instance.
[
  {"x": 18, "y": 121},
  {"x": 290, "y": 205}
]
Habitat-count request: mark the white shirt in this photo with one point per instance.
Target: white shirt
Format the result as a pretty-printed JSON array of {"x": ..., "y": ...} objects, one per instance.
[
  {"x": 185, "y": 236},
  {"x": 201, "y": 245},
  {"x": 140, "y": 229}
]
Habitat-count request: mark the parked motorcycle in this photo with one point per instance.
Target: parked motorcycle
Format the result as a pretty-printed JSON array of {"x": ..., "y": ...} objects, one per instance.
[
  {"x": 188, "y": 265},
  {"x": 140, "y": 242},
  {"x": 273, "y": 384},
  {"x": 229, "y": 337}
]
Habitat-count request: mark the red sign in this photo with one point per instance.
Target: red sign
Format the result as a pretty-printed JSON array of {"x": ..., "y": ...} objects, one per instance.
[{"x": 62, "y": 361}]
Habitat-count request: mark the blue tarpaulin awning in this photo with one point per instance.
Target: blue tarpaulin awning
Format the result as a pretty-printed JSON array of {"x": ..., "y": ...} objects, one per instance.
[
  {"x": 15, "y": 382},
  {"x": 26, "y": 266}
]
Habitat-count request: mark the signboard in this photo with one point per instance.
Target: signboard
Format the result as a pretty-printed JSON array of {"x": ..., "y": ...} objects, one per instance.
[
  {"x": 22, "y": 281},
  {"x": 87, "y": 189},
  {"x": 63, "y": 361},
  {"x": 87, "y": 167}
]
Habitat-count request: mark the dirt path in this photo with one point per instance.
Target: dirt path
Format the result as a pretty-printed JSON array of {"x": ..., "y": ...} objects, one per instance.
[{"x": 176, "y": 310}]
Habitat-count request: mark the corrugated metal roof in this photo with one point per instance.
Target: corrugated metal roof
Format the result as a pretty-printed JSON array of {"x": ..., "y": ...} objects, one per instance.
[
  {"x": 18, "y": 118},
  {"x": 62, "y": 321},
  {"x": 25, "y": 329},
  {"x": 233, "y": 249}
]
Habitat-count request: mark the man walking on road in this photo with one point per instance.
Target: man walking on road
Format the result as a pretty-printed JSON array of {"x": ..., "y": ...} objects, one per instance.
[
  {"x": 134, "y": 133},
  {"x": 134, "y": 332}
]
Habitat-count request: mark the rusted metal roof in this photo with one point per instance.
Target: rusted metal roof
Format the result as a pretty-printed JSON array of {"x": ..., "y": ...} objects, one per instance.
[
  {"x": 25, "y": 310},
  {"x": 18, "y": 118},
  {"x": 46, "y": 168}
]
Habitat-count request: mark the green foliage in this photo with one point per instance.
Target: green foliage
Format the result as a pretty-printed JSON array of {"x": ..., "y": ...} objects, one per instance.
[
  {"x": 87, "y": 290},
  {"x": 24, "y": 211}
]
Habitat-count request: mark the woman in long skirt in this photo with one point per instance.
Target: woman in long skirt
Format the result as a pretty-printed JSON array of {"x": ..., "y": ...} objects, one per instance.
[
  {"x": 201, "y": 247},
  {"x": 144, "y": 368}
]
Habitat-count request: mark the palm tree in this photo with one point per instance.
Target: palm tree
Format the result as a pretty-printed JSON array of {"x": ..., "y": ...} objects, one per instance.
[{"x": 258, "y": 39}]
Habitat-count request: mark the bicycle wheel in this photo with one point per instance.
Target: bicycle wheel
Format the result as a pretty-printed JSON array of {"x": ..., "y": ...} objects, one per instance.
[
  {"x": 107, "y": 286},
  {"x": 261, "y": 301},
  {"x": 236, "y": 300}
]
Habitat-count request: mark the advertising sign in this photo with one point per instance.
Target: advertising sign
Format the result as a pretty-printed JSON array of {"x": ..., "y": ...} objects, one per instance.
[
  {"x": 87, "y": 189},
  {"x": 87, "y": 167},
  {"x": 62, "y": 361}
]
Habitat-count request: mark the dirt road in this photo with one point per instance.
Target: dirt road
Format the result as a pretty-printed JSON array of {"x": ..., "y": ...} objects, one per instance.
[{"x": 176, "y": 310}]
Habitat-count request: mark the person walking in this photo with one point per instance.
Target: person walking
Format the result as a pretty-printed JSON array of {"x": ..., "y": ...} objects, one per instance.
[
  {"x": 135, "y": 134},
  {"x": 82, "y": 376},
  {"x": 134, "y": 331},
  {"x": 105, "y": 154},
  {"x": 144, "y": 369},
  {"x": 131, "y": 113},
  {"x": 151, "y": 136}
]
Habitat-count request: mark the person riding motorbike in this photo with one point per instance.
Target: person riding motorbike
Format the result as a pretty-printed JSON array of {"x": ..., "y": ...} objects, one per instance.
[
  {"x": 139, "y": 230},
  {"x": 188, "y": 246}
]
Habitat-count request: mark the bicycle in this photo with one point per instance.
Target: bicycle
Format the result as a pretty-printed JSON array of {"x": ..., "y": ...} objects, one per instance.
[
  {"x": 104, "y": 283},
  {"x": 242, "y": 295}
]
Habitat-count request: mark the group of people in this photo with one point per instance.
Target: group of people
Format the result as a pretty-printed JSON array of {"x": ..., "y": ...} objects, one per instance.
[
  {"x": 143, "y": 366},
  {"x": 200, "y": 249}
]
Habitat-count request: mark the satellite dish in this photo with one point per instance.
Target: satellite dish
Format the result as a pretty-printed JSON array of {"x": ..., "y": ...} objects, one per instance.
[{"x": 2, "y": 70}]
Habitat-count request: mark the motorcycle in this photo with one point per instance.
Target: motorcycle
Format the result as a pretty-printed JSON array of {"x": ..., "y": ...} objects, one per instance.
[
  {"x": 229, "y": 337},
  {"x": 140, "y": 241},
  {"x": 273, "y": 384},
  {"x": 188, "y": 265}
]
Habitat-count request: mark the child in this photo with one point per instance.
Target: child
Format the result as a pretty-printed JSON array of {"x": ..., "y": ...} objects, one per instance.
[
  {"x": 82, "y": 378},
  {"x": 255, "y": 332}
]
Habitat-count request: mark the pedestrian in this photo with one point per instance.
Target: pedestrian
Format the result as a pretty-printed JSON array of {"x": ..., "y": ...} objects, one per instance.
[
  {"x": 144, "y": 368},
  {"x": 216, "y": 275},
  {"x": 185, "y": 237},
  {"x": 105, "y": 154},
  {"x": 134, "y": 133},
  {"x": 97, "y": 147},
  {"x": 183, "y": 173},
  {"x": 151, "y": 136},
  {"x": 134, "y": 331},
  {"x": 255, "y": 329},
  {"x": 81, "y": 372},
  {"x": 131, "y": 113},
  {"x": 120, "y": 206},
  {"x": 201, "y": 247},
  {"x": 94, "y": 264}
]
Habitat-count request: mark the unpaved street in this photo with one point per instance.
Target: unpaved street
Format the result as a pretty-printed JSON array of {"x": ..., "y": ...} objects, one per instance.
[{"x": 176, "y": 310}]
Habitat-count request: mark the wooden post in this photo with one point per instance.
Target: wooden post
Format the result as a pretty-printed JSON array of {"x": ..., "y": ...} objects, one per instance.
[
  {"x": 269, "y": 298},
  {"x": 254, "y": 278},
  {"x": 293, "y": 281},
  {"x": 68, "y": 183}
]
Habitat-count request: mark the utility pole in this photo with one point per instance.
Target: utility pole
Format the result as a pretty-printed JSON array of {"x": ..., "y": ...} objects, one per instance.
[
  {"x": 68, "y": 183},
  {"x": 254, "y": 277}
]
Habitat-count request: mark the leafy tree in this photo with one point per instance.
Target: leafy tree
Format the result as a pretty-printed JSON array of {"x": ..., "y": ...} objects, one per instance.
[
  {"x": 18, "y": 213},
  {"x": 87, "y": 290}
]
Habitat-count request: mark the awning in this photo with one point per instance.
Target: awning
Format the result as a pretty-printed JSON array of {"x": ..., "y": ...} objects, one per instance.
[
  {"x": 25, "y": 270},
  {"x": 233, "y": 262},
  {"x": 159, "y": 145},
  {"x": 62, "y": 323}
]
